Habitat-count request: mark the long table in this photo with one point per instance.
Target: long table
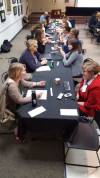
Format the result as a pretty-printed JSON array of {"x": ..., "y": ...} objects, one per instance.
[{"x": 50, "y": 122}]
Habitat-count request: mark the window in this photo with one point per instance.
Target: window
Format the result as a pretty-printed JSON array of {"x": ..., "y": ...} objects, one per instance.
[
  {"x": 8, "y": 6},
  {"x": 1, "y": 3}
]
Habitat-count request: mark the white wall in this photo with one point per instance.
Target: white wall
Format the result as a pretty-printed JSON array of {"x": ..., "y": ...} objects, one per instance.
[
  {"x": 46, "y": 5},
  {"x": 12, "y": 25},
  {"x": 85, "y": 3}
]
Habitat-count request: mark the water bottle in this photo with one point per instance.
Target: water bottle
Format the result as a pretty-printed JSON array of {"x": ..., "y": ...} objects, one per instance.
[
  {"x": 67, "y": 86},
  {"x": 34, "y": 100},
  {"x": 52, "y": 64}
]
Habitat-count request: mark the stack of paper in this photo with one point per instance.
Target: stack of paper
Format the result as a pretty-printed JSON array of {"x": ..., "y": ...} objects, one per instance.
[
  {"x": 37, "y": 111},
  {"x": 43, "y": 94},
  {"x": 68, "y": 112},
  {"x": 43, "y": 68}
]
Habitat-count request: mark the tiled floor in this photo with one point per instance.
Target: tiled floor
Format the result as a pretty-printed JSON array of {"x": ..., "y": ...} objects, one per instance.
[
  {"x": 92, "y": 48},
  {"x": 77, "y": 172},
  {"x": 82, "y": 157}
]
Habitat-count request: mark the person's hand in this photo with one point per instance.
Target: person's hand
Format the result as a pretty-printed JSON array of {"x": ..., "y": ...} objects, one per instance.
[
  {"x": 59, "y": 48},
  {"x": 56, "y": 46},
  {"x": 77, "y": 87},
  {"x": 49, "y": 40},
  {"x": 81, "y": 103},
  {"x": 43, "y": 62},
  {"x": 38, "y": 95},
  {"x": 41, "y": 83},
  {"x": 61, "y": 51},
  {"x": 45, "y": 40},
  {"x": 43, "y": 58},
  {"x": 98, "y": 30}
]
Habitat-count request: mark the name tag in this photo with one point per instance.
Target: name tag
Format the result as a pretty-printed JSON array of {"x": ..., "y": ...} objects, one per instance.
[
  {"x": 84, "y": 87},
  {"x": 36, "y": 60}
]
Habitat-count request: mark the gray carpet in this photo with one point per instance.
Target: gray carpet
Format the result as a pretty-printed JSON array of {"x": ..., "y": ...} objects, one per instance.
[
  {"x": 35, "y": 159},
  {"x": 18, "y": 45}
]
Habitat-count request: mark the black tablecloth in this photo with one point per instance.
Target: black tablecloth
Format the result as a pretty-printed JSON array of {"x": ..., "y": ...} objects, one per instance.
[{"x": 51, "y": 121}]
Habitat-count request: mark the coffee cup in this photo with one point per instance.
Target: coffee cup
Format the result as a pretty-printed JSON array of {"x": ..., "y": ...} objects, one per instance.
[{"x": 57, "y": 81}]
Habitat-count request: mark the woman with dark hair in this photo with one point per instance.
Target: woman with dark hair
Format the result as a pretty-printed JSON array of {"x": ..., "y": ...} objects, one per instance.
[
  {"x": 41, "y": 40},
  {"x": 74, "y": 58},
  {"x": 74, "y": 34},
  {"x": 47, "y": 20},
  {"x": 63, "y": 37}
]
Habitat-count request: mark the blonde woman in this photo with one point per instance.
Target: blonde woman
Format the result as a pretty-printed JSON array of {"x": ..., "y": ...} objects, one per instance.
[
  {"x": 88, "y": 94},
  {"x": 30, "y": 57},
  {"x": 15, "y": 78}
]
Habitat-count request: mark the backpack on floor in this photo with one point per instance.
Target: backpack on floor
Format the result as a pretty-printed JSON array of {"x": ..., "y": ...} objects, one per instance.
[{"x": 6, "y": 46}]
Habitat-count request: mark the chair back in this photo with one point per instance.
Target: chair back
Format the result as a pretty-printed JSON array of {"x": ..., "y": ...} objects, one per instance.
[
  {"x": 85, "y": 137},
  {"x": 73, "y": 23},
  {"x": 4, "y": 76},
  {"x": 97, "y": 118}
]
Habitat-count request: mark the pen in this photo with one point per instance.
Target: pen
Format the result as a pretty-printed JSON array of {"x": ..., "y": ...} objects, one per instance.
[
  {"x": 51, "y": 92},
  {"x": 57, "y": 63}
]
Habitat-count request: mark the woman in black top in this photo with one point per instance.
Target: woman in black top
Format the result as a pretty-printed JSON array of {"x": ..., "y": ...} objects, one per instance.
[{"x": 41, "y": 41}]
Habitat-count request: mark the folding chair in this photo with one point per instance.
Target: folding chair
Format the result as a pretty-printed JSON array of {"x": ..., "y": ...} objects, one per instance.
[
  {"x": 97, "y": 118},
  {"x": 4, "y": 76},
  {"x": 84, "y": 138}
]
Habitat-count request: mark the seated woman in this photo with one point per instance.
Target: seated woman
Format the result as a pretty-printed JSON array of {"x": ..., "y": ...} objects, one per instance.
[
  {"x": 16, "y": 73},
  {"x": 47, "y": 21},
  {"x": 74, "y": 34},
  {"x": 63, "y": 37},
  {"x": 41, "y": 40},
  {"x": 88, "y": 93},
  {"x": 73, "y": 59},
  {"x": 66, "y": 21},
  {"x": 14, "y": 97},
  {"x": 30, "y": 57}
]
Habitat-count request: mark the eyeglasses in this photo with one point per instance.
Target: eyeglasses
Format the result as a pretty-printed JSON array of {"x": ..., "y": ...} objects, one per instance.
[{"x": 35, "y": 46}]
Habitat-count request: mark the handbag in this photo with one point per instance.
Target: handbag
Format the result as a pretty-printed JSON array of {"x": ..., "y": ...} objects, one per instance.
[{"x": 7, "y": 118}]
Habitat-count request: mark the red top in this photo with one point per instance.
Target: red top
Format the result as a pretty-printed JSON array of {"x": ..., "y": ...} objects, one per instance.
[{"x": 91, "y": 97}]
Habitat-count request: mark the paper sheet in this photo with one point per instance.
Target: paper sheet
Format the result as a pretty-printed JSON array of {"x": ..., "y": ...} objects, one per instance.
[
  {"x": 43, "y": 96},
  {"x": 53, "y": 48},
  {"x": 68, "y": 112},
  {"x": 57, "y": 63},
  {"x": 52, "y": 41},
  {"x": 98, "y": 131},
  {"x": 43, "y": 68},
  {"x": 37, "y": 111},
  {"x": 51, "y": 92},
  {"x": 47, "y": 56}
]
